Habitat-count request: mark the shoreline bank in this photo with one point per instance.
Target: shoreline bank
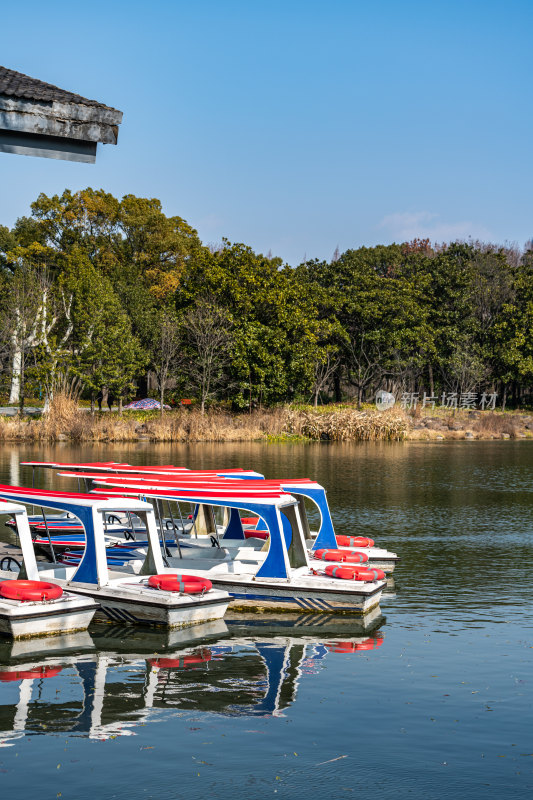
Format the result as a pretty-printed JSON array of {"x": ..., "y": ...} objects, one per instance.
[{"x": 341, "y": 424}]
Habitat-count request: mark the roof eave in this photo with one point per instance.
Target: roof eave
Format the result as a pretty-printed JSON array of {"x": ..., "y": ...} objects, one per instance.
[{"x": 67, "y": 131}]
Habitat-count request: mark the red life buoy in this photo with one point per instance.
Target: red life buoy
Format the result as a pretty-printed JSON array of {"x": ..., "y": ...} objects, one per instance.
[
  {"x": 355, "y": 573},
  {"x": 354, "y": 541},
  {"x": 249, "y": 520},
  {"x": 346, "y": 573},
  {"x": 347, "y": 556},
  {"x": 353, "y": 557},
  {"x": 30, "y": 590},
  {"x": 187, "y": 584},
  {"x": 328, "y": 555},
  {"x": 22, "y": 674},
  {"x": 369, "y": 574},
  {"x": 256, "y": 535}
]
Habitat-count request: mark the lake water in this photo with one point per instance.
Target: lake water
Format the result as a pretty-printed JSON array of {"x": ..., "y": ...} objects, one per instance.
[{"x": 435, "y": 703}]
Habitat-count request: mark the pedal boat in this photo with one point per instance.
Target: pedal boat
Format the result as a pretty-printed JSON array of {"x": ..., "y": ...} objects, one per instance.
[
  {"x": 283, "y": 579},
  {"x": 120, "y": 597},
  {"x": 300, "y": 489},
  {"x": 36, "y": 606}
]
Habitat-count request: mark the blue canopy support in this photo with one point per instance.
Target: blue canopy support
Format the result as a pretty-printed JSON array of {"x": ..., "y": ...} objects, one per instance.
[
  {"x": 234, "y": 529},
  {"x": 88, "y": 570},
  {"x": 276, "y": 564},
  {"x": 326, "y": 534},
  {"x": 296, "y": 545},
  {"x": 287, "y": 530}
]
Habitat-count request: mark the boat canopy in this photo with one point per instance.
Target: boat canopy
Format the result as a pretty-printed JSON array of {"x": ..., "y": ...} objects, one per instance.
[
  {"x": 113, "y": 467},
  {"x": 89, "y": 508},
  {"x": 298, "y": 487},
  {"x": 286, "y": 542}
]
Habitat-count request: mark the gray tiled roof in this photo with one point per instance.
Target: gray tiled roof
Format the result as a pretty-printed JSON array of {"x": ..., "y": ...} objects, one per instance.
[{"x": 15, "y": 84}]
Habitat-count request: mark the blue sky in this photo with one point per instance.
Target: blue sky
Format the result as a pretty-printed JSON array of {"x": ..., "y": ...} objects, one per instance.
[{"x": 295, "y": 126}]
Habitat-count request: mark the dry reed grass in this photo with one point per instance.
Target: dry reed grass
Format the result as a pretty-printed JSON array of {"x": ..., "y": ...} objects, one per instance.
[
  {"x": 348, "y": 424},
  {"x": 496, "y": 424},
  {"x": 66, "y": 421}
]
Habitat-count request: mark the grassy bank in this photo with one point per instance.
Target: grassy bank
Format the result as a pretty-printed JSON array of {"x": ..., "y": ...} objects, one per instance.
[{"x": 67, "y": 422}]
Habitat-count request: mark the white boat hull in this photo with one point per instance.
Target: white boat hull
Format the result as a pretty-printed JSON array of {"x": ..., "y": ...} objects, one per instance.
[
  {"x": 303, "y": 592},
  {"x": 129, "y": 600},
  {"x": 151, "y": 607},
  {"x": 254, "y": 597},
  {"x": 24, "y": 620}
]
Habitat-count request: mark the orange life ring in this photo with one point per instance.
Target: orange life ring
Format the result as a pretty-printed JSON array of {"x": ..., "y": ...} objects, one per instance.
[
  {"x": 348, "y": 556},
  {"x": 369, "y": 574},
  {"x": 22, "y": 674},
  {"x": 355, "y": 573},
  {"x": 353, "y": 557},
  {"x": 257, "y": 535},
  {"x": 354, "y": 541},
  {"x": 346, "y": 573},
  {"x": 30, "y": 590},
  {"x": 328, "y": 555},
  {"x": 187, "y": 584}
]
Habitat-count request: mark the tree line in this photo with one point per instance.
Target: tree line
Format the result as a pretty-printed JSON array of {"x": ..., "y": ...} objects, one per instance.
[{"x": 100, "y": 292}]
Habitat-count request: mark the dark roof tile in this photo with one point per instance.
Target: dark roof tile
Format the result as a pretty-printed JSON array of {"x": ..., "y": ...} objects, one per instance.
[{"x": 15, "y": 84}]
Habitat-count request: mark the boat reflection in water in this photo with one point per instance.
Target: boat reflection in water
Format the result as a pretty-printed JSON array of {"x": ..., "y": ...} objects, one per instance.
[{"x": 104, "y": 684}]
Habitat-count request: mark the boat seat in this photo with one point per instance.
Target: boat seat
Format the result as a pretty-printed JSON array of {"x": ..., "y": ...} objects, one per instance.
[{"x": 211, "y": 553}]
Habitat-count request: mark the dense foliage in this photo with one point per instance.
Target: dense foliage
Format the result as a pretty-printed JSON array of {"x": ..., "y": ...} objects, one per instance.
[{"x": 98, "y": 292}]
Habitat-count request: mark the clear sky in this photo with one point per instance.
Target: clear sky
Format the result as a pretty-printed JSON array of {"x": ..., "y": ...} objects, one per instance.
[{"x": 295, "y": 125}]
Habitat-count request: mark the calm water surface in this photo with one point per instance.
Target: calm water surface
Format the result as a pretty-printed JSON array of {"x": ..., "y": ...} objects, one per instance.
[{"x": 434, "y": 703}]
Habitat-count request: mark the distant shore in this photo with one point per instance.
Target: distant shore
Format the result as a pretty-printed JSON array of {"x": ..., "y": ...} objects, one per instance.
[{"x": 283, "y": 424}]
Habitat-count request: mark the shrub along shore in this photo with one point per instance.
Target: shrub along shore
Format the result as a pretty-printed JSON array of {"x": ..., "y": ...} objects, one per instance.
[{"x": 66, "y": 422}]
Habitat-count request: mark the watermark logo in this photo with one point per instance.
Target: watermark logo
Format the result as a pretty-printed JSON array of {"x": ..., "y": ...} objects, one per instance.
[
  {"x": 384, "y": 400},
  {"x": 453, "y": 400}
]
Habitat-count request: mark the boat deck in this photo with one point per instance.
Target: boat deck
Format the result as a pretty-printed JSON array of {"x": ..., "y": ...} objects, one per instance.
[{"x": 8, "y": 549}]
